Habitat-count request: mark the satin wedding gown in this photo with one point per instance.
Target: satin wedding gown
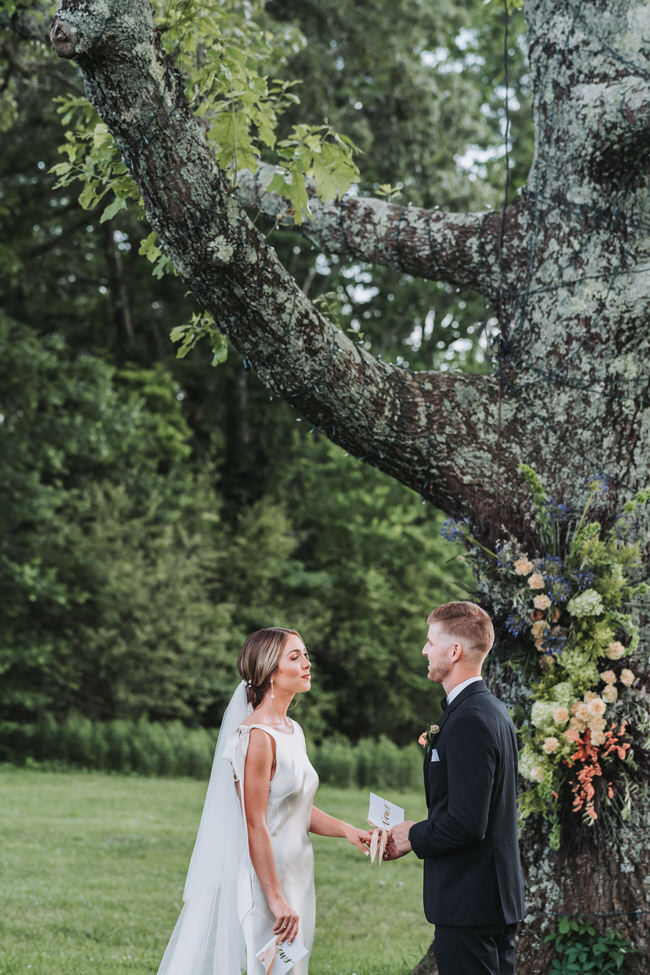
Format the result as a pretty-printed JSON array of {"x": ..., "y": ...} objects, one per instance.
[
  {"x": 288, "y": 814},
  {"x": 225, "y": 919}
]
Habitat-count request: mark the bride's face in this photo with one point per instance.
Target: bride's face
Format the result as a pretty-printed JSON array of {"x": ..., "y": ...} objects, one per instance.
[{"x": 292, "y": 674}]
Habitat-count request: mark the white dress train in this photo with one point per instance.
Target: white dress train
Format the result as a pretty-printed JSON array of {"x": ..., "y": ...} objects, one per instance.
[{"x": 288, "y": 814}]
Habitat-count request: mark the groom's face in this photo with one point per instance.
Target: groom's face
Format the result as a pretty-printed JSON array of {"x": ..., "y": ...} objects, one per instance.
[{"x": 439, "y": 651}]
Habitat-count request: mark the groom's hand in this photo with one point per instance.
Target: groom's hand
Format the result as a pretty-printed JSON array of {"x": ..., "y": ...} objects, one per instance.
[{"x": 398, "y": 841}]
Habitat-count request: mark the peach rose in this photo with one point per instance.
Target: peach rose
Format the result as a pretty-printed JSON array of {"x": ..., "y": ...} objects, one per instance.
[
  {"x": 541, "y": 602},
  {"x": 551, "y": 745},
  {"x": 608, "y": 676},
  {"x": 596, "y": 707},
  {"x": 561, "y": 715},
  {"x": 572, "y": 735},
  {"x": 597, "y": 737},
  {"x": 538, "y": 629},
  {"x": 610, "y": 694},
  {"x": 627, "y": 677},
  {"x": 523, "y": 566},
  {"x": 582, "y": 711},
  {"x": 597, "y": 724},
  {"x": 536, "y": 581}
]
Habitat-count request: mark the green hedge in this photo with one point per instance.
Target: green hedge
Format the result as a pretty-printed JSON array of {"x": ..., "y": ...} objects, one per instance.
[{"x": 171, "y": 749}]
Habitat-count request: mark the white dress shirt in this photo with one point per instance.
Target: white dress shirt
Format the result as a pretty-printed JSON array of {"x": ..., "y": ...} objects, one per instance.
[{"x": 455, "y": 691}]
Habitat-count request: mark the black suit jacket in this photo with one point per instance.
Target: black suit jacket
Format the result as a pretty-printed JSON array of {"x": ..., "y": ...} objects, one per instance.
[{"x": 472, "y": 871}]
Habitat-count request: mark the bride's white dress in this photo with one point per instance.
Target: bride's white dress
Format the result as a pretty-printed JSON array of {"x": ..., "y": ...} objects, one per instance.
[{"x": 288, "y": 814}]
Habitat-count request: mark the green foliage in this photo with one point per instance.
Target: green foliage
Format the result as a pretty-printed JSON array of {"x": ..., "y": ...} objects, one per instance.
[
  {"x": 200, "y": 326},
  {"x": 170, "y": 748},
  {"x": 582, "y": 950},
  {"x": 104, "y": 554},
  {"x": 317, "y": 153},
  {"x": 123, "y": 745},
  {"x": 224, "y": 51}
]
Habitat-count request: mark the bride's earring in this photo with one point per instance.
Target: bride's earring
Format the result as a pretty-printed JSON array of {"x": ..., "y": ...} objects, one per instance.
[{"x": 272, "y": 694}]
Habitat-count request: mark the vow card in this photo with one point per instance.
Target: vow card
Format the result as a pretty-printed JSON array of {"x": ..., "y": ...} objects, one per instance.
[
  {"x": 384, "y": 814},
  {"x": 280, "y": 958}
]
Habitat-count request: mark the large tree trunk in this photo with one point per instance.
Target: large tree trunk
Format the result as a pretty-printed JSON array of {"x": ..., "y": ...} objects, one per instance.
[{"x": 567, "y": 268}]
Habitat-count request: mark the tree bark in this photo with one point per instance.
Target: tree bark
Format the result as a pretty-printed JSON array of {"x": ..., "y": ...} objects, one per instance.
[{"x": 567, "y": 268}]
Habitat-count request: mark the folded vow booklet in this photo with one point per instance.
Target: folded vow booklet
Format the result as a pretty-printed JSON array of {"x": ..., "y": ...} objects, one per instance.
[
  {"x": 280, "y": 958},
  {"x": 383, "y": 815}
]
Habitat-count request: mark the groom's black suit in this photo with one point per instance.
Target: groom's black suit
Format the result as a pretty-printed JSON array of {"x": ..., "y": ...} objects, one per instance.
[{"x": 472, "y": 872}]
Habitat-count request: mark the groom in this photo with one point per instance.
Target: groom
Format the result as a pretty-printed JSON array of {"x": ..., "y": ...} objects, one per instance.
[{"x": 473, "y": 885}]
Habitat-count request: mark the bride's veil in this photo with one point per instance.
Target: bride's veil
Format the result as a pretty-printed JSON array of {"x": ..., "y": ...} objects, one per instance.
[{"x": 208, "y": 938}]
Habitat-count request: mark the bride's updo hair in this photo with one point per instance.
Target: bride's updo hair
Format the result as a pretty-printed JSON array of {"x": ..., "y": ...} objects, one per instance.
[{"x": 258, "y": 660}]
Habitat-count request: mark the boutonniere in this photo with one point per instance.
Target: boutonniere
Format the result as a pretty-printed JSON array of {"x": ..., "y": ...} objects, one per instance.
[{"x": 428, "y": 737}]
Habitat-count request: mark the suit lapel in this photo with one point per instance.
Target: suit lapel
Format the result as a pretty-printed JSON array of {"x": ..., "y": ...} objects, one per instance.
[{"x": 477, "y": 687}]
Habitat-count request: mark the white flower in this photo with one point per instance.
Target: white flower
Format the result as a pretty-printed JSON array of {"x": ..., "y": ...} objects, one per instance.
[
  {"x": 627, "y": 677},
  {"x": 587, "y": 603},
  {"x": 542, "y": 713},
  {"x": 541, "y": 602},
  {"x": 615, "y": 650},
  {"x": 551, "y": 745}
]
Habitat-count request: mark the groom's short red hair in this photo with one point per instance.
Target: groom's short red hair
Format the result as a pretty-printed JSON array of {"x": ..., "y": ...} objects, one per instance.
[{"x": 468, "y": 622}]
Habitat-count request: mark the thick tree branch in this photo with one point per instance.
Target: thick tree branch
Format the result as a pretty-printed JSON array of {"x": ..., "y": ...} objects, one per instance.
[
  {"x": 432, "y": 432},
  {"x": 441, "y": 246}
]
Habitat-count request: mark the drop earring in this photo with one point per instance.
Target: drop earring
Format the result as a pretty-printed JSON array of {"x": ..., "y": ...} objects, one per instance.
[{"x": 272, "y": 694}]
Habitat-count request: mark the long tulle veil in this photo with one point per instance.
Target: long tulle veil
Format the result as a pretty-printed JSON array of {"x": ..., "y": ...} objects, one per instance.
[{"x": 208, "y": 938}]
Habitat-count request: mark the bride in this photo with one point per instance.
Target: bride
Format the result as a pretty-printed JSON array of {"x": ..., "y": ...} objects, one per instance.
[{"x": 251, "y": 876}]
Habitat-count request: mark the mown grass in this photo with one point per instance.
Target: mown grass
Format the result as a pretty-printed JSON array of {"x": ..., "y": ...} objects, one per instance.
[{"x": 93, "y": 867}]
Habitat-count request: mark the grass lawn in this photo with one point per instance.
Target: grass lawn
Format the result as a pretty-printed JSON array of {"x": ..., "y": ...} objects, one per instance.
[{"x": 93, "y": 867}]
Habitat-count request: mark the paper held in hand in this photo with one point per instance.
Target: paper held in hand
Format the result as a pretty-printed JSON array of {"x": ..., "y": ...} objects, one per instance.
[
  {"x": 280, "y": 958},
  {"x": 383, "y": 815}
]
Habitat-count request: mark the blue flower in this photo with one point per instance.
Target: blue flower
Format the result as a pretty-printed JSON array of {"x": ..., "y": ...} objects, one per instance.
[
  {"x": 515, "y": 624},
  {"x": 558, "y": 512},
  {"x": 555, "y": 642},
  {"x": 559, "y": 590},
  {"x": 454, "y": 531},
  {"x": 584, "y": 579},
  {"x": 598, "y": 484}
]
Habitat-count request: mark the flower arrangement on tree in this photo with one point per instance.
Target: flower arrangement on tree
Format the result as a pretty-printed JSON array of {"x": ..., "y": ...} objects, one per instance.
[{"x": 563, "y": 604}]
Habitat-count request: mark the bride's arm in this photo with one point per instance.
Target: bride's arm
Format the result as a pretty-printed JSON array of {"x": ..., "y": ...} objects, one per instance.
[
  {"x": 325, "y": 825},
  {"x": 257, "y": 778}
]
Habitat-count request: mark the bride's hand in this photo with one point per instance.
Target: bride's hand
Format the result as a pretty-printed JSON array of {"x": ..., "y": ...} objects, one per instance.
[
  {"x": 358, "y": 837},
  {"x": 286, "y": 921}
]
